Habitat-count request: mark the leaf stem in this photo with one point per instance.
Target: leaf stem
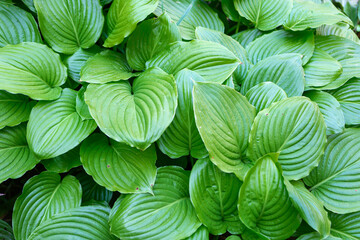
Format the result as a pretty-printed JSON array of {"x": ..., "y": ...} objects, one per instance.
[{"x": 237, "y": 26}]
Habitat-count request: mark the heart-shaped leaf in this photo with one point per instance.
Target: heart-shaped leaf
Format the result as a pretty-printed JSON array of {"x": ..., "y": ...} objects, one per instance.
[
  {"x": 123, "y": 16},
  {"x": 210, "y": 60},
  {"x": 160, "y": 33},
  {"x": 265, "y": 14},
  {"x": 124, "y": 169},
  {"x": 147, "y": 107},
  {"x": 295, "y": 129},
  {"x": 336, "y": 181},
  {"x": 31, "y": 69},
  {"x": 68, "y": 25},
  {"x": 55, "y": 127},
  {"x": 264, "y": 203},
  {"x": 224, "y": 117},
  {"x": 44, "y": 196},
  {"x": 166, "y": 214},
  {"x": 17, "y": 26},
  {"x": 214, "y": 195},
  {"x": 182, "y": 137}
]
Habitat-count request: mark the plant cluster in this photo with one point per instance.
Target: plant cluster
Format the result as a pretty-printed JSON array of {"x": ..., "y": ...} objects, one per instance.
[{"x": 180, "y": 119}]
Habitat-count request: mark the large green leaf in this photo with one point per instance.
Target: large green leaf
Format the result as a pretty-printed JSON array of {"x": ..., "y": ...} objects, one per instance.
[
  {"x": 346, "y": 52},
  {"x": 224, "y": 117},
  {"x": 91, "y": 190},
  {"x": 330, "y": 109},
  {"x": 231, "y": 44},
  {"x": 247, "y": 36},
  {"x": 295, "y": 129},
  {"x": 82, "y": 223},
  {"x": 321, "y": 70},
  {"x": 64, "y": 162},
  {"x": 190, "y": 14},
  {"x": 43, "y": 196},
  {"x": 168, "y": 214},
  {"x": 346, "y": 226},
  {"x": 340, "y": 29},
  {"x": 337, "y": 178},
  {"x": 212, "y": 61},
  {"x": 309, "y": 207},
  {"x": 55, "y": 127},
  {"x": 159, "y": 34},
  {"x": 202, "y": 233},
  {"x": 117, "y": 166},
  {"x": 214, "y": 195},
  {"x": 264, "y": 203},
  {"x": 31, "y": 69},
  {"x": 17, "y": 26},
  {"x": 6, "y": 233},
  {"x": 285, "y": 70},
  {"x": 182, "y": 137},
  {"x": 107, "y": 66},
  {"x": 14, "y": 109},
  {"x": 15, "y": 156},
  {"x": 68, "y": 25},
  {"x": 147, "y": 107},
  {"x": 308, "y": 14},
  {"x": 123, "y": 16},
  {"x": 265, "y": 14},
  {"x": 349, "y": 99},
  {"x": 262, "y": 95},
  {"x": 279, "y": 42}
]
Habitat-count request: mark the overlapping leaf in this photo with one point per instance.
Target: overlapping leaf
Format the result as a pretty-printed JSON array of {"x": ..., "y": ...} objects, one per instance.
[
  {"x": 91, "y": 190},
  {"x": 31, "y": 69},
  {"x": 247, "y": 36},
  {"x": 6, "y": 233},
  {"x": 295, "y": 129},
  {"x": 64, "y": 162},
  {"x": 202, "y": 233},
  {"x": 81, "y": 108},
  {"x": 68, "y": 25},
  {"x": 345, "y": 226},
  {"x": 147, "y": 107},
  {"x": 55, "y": 127},
  {"x": 340, "y": 29}
]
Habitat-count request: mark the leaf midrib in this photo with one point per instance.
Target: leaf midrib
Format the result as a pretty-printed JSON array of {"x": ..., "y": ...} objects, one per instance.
[{"x": 49, "y": 202}]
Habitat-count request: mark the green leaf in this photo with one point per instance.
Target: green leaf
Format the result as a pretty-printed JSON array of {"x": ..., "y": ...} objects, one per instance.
[
  {"x": 43, "y": 196},
  {"x": 265, "y": 14},
  {"x": 159, "y": 34},
  {"x": 123, "y": 16},
  {"x": 228, "y": 8},
  {"x": 32, "y": 69},
  {"x": 202, "y": 233},
  {"x": 68, "y": 25},
  {"x": 107, "y": 66},
  {"x": 336, "y": 181},
  {"x": 309, "y": 207},
  {"x": 29, "y": 4},
  {"x": 6, "y": 233},
  {"x": 182, "y": 137},
  {"x": 264, "y": 94},
  {"x": 344, "y": 51},
  {"x": 17, "y": 26},
  {"x": 264, "y": 203},
  {"x": 210, "y": 60},
  {"x": 249, "y": 234},
  {"x": 233, "y": 237},
  {"x": 190, "y": 14},
  {"x": 279, "y": 42},
  {"x": 55, "y": 127},
  {"x": 75, "y": 62},
  {"x": 247, "y": 36},
  {"x": 64, "y": 162},
  {"x": 316, "y": 236},
  {"x": 308, "y": 14},
  {"x": 341, "y": 29},
  {"x": 90, "y": 222},
  {"x": 231, "y": 44},
  {"x": 81, "y": 108},
  {"x": 224, "y": 117},
  {"x": 117, "y": 166},
  {"x": 168, "y": 214},
  {"x": 349, "y": 99},
  {"x": 214, "y": 195},
  {"x": 293, "y": 128},
  {"x": 15, "y": 156},
  {"x": 321, "y": 70},
  {"x": 91, "y": 190},
  {"x": 346, "y": 226},
  {"x": 148, "y": 107},
  {"x": 330, "y": 109},
  {"x": 14, "y": 109},
  {"x": 285, "y": 70}
]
